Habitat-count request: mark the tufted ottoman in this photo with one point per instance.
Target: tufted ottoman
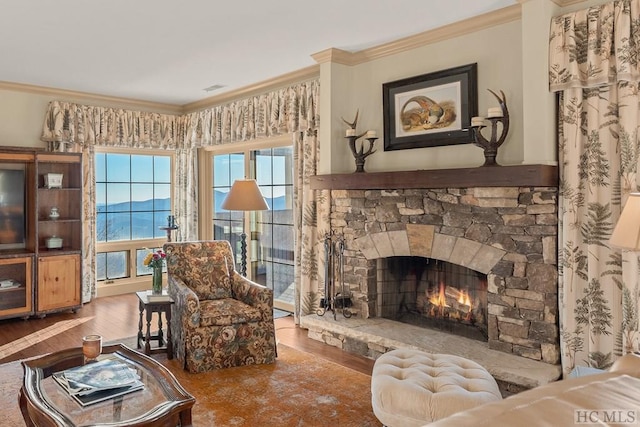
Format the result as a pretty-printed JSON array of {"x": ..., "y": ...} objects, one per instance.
[{"x": 412, "y": 388}]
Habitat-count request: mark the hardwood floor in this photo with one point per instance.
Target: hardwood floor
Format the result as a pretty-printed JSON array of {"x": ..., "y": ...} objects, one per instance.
[{"x": 117, "y": 317}]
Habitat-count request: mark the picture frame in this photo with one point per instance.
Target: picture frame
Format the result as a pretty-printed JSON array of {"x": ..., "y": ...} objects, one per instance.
[{"x": 430, "y": 110}]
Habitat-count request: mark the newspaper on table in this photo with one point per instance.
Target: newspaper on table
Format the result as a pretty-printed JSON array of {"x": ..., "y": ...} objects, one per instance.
[{"x": 95, "y": 382}]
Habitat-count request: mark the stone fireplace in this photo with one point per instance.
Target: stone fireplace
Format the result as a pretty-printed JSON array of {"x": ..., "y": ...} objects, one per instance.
[{"x": 499, "y": 223}]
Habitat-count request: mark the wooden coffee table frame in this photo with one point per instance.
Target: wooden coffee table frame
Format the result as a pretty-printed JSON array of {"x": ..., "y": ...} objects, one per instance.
[{"x": 38, "y": 409}]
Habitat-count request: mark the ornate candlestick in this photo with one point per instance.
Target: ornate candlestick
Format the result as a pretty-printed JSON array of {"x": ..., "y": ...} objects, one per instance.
[
  {"x": 360, "y": 154},
  {"x": 490, "y": 147}
]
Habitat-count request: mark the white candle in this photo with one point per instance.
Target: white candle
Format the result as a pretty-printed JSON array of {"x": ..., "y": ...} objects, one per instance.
[
  {"x": 372, "y": 134},
  {"x": 494, "y": 112},
  {"x": 477, "y": 121},
  {"x": 351, "y": 132}
]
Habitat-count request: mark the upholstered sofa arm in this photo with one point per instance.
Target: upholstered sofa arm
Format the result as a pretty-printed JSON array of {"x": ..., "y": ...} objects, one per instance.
[
  {"x": 251, "y": 293},
  {"x": 628, "y": 364},
  {"x": 185, "y": 302}
]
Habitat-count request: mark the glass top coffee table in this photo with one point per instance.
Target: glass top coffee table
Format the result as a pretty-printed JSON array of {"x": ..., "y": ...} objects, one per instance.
[{"x": 162, "y": 401}]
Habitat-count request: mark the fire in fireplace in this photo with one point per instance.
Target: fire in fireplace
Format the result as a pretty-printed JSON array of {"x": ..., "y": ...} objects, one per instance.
[{"x": 433, "y": 293}]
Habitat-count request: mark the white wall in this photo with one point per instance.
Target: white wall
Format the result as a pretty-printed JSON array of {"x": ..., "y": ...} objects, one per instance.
[
  {"x": 21, "y": 118},
  {"x": 496, "y": 50}
]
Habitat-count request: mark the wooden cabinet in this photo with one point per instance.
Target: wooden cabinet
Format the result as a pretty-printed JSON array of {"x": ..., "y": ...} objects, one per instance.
[
  {"x": 58, "y": 282},
  {"x": 41, "y": 221},
  {"x": 59, "y": 236}
]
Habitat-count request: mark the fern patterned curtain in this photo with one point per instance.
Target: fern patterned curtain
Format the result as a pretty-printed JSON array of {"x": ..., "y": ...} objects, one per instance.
[
  {"x": 312, "y": 209},
  {"x": 594, "y": 67}
]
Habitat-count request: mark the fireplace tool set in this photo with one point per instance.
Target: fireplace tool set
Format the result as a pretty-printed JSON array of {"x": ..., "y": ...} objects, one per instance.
[{"x": 334, "y": 299}]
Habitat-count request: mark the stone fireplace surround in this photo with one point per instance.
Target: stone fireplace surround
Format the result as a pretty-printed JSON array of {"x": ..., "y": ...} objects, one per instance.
[{"x": 508, "y": 232}]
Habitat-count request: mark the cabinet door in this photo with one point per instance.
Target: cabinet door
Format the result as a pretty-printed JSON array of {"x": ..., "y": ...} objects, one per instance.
[
  {"x": 15, "y": 286},
  {"x": 58, "y": 282}
]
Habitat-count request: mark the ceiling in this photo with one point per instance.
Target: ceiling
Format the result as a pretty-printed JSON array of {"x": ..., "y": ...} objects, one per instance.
[{"x": 169, "y": 51}]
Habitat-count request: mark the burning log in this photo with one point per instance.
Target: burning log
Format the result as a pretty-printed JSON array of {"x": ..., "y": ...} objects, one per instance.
[{"x": 449, "y": 302}]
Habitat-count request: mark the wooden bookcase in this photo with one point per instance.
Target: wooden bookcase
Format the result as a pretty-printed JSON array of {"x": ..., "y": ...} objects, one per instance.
[
  {"x": 35, "y": 279},
  {"x": 59, "y": 270}
]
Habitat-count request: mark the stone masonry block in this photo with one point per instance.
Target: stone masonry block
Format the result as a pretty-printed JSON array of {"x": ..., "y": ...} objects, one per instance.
[
  {"x": 383, "y": 244},
  {"x": 367, "y": 247},
  {"x": 550, "y": 353},
  {"x": 486, "y": 258},
  {"x": 513, "y": 330},
  {"x": 420, "y": 239},
  {"x": 496, "y": 192},
  {"x": 399, "y": 243},
  {"x": 527, "y": 352},
  {"x": 519, "y": 293},
  {"x": 464, "y": 251}
]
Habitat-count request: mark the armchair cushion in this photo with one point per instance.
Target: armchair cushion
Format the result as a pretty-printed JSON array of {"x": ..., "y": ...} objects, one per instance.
[
  {"x": 227, "y": 311},
  {"x": 208, "y": 278}
]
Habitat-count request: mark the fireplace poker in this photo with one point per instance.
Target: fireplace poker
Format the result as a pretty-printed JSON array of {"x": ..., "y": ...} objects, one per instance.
[
  {"x": 327, "y": 302},
  {"x": 345, "y": 299}
]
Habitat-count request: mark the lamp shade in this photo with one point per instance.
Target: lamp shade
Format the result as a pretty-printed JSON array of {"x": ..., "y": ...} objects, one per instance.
[
  {"x": 626, "y": 235},
  {"x": 244, "y": 196}
]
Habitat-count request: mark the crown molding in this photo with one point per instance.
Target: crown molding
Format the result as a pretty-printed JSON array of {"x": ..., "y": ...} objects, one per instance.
[
  {"x": 563, "y": 3},
  {"x": 129, "y": 103},
  {"x": 293, "y": 77},
  {"x": 480, "y": 22},
  {"x": 335, "y": 55},
  {"x": 307, "y": 73}
]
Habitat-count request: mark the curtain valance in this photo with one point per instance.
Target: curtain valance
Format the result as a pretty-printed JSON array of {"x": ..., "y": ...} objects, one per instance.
[
  {"x": 88, "y": 125},
  {"x": 286, "y": 110},
  {"x": 595, "y": 46},
  {"x": 290, "y": 109}
]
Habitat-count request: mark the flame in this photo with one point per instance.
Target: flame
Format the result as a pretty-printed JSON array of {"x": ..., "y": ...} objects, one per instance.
[
  {"x": 439, "y": 299},
  {"x": 464, "y": 299},
  {"x": 441, "y": 307}
]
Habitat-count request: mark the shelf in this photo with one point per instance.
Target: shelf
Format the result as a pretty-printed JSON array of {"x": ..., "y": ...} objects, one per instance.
[
  {"x": 494, "y": 176},
  {"x": 45, "y": 252},
  {"x": 59, "y": 220},
  {"x": 13, "y": 289},
  {"x": 15, "y": 253}
]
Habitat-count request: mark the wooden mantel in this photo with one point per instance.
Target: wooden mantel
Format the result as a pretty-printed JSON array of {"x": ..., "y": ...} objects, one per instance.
[{"x": 492, "y": 176}]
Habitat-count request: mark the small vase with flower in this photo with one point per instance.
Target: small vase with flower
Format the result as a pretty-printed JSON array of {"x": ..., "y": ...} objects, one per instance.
[{"x": 155, "y": 261}]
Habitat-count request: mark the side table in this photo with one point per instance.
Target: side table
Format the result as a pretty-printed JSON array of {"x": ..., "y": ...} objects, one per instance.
[{"x": 150, "y": 307}]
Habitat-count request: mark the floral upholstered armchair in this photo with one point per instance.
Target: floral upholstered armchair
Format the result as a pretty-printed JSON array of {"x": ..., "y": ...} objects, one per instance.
[{"x": 219, "y": 319}]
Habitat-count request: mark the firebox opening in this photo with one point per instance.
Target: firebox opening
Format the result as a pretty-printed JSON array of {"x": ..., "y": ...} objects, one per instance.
[{"x": 434, "y": 294}]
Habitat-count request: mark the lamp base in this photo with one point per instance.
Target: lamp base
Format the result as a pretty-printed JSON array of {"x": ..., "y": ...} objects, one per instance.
[{"x": 243, "y": 254}]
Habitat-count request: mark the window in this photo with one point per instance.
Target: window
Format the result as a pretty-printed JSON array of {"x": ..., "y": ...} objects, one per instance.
[
  {"x": 270, "y": 234},
  {"x": 133, "y": 200}
]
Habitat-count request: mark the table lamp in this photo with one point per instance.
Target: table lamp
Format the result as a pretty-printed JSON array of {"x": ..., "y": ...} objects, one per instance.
[
  {"x": 626, "y": 234},
  {"x": 244, "y": 196}
]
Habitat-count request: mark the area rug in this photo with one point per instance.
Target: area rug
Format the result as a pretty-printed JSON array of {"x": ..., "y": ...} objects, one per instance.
[{"x": 299, "y": 389}]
